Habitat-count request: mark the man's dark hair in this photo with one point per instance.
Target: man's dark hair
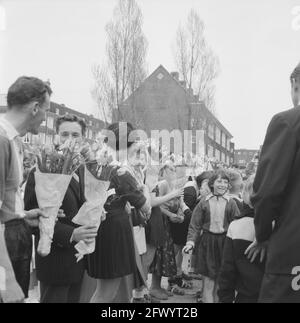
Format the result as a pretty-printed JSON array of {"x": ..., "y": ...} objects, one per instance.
[
  {"x": 217, "y": 174},
  {"x": 296, "y": 74},
  {"x": 27, "y": 89},
  {"x": 71, "y": 118}
]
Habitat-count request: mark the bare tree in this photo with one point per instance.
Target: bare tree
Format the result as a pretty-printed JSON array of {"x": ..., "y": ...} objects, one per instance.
[
  {"x": 125, "y": 66},
  {"x": 197, "y": 64},
  {"x": 103, "y": 93}
]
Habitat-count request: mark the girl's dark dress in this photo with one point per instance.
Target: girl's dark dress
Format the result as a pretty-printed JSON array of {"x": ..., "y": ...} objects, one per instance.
[
  {"x": 114, "y": 255},
  {"x": 164, "y": 263}
]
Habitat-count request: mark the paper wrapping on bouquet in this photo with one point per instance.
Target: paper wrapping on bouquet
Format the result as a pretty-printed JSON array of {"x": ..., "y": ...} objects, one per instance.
[
  {"x": 10, "y": 291},
  {"x": 50, "y": 191},
  {"x": 91, "y": 212}
]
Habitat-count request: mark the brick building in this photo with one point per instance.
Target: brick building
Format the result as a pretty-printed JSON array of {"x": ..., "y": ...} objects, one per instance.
[
  {"x": 163, "y": 102},
  {"x": 47, "y": 129},
  {"x": 242, "y": 157}
]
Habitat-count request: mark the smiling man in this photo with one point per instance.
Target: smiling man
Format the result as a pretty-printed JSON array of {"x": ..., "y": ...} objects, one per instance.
[
  {"x": 28, "y": 100},
  {"x": 59, "y": 273}
]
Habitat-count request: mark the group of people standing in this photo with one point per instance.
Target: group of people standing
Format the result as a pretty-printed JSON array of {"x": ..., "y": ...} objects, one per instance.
[{"x": 227, "y": 224}]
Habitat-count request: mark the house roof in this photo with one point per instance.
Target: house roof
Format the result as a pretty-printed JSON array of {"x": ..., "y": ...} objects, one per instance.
[
  {"x": 189, "y": 96},
  {"x": 160, "y": 68}
]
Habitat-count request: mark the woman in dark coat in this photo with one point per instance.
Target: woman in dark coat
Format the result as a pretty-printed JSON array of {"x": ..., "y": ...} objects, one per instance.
[{"x": 114, "y": 262}]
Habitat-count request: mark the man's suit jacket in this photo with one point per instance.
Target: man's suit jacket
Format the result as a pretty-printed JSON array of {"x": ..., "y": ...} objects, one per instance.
[
  {"x": 277, "y": 193},
  {"x": 60, "y": 266}
]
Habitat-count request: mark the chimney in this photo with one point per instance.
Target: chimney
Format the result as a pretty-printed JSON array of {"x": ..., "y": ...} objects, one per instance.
[{"x": 175, "y": 75}]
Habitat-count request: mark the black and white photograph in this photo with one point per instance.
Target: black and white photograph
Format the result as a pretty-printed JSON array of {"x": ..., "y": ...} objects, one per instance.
[{"x": 149, "y": 154}]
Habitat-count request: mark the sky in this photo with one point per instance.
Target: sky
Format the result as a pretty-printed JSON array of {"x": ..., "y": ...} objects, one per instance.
[{"x": 257, "y": 42}]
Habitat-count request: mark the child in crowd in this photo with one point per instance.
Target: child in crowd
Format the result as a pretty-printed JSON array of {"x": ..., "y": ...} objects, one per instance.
[
  {"x": 236, "y": 187},
  {"x": 212, "y": 217},
  {"x": 240, "y": 280}
]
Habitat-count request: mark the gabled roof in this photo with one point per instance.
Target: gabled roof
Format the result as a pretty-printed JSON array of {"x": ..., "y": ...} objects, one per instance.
[
  {"x": 163, "y": 70},
  {"x": 189, "y": 96}
]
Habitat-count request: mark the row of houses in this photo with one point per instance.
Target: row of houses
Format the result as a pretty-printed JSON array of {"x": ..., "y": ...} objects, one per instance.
[
  {"x": 47, "y": 129},
  {"x": 162, "y": 102}
]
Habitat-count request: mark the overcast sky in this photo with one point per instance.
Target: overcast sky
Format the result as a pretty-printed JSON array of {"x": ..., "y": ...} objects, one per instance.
[{"x": 256, "y": 44}]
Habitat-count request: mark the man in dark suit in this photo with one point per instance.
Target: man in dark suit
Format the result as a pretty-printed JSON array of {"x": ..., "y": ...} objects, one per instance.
[
  {"x": 277, "y": 202},
  {"x": 59, "y": 274}
]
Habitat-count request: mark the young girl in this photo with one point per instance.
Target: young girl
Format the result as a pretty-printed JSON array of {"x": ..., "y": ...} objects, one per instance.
[
  {"x": 164, "y": 262},
  {"x": 212, "y": 216}
]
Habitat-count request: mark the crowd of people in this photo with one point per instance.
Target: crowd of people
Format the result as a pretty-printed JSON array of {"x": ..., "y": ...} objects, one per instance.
[{"x": 236, "y": 231}]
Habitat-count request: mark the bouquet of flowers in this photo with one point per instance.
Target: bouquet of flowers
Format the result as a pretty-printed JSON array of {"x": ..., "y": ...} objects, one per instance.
[
  {"x": 52, "y": 177},
  {"x": 96, "y": 183}
]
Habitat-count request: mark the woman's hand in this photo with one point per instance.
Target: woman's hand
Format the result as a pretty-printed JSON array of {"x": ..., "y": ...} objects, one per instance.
[{"x": 177, "y": 193}]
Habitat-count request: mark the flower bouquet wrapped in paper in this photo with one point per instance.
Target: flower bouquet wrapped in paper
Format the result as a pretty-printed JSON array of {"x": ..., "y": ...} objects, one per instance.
[
  {"x": 96, "y": 183},
  {"x": 91, "y": 212},
  {"x": 52, "y": 178}
]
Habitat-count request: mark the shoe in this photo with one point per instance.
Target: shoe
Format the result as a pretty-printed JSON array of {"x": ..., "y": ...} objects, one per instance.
[
  {"x": 167, "y": 292},
  {"x": 158, "y": 294},
  {"x": 180, "y": 282},
  {"x": 176, "y": 290},
  {"x": 138, "y": 300},
  {"x": 187, "y": 277},
  {"x": 151, "y": 299},
  {"x": 199, "y": 297}
]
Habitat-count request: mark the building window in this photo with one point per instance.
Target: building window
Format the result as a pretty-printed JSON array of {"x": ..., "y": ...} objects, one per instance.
[
  {"x": 50, "y": 122},
  {"x": 26, "y": 138},
  {"x": 222, "y": 157},
  {"x": 228, "y": 144},
  {"x": 223, "y": 140},
  {"x": 211, "y": 132},
  {"x": 227, "y": 159},
  {"x": 160, "y": 76},
  {"x": 210, "y": 151},
  {"x": 218, "y": 154},
  {"x": 218, "y": 136},
  {"x": 48, "y": 139},
  {"x": 57, "y": 111}
]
